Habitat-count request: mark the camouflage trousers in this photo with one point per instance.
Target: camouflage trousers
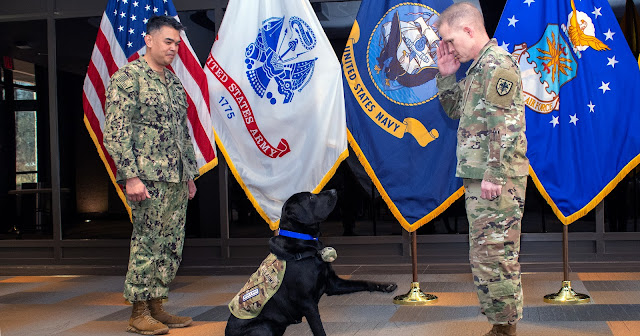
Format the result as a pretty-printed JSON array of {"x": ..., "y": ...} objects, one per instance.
[
  {"x": 156, "y": 241},
  {"x": 494, "y": 245}
]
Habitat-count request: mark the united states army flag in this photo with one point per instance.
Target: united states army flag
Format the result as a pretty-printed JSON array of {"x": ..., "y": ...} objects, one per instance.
[{"x": 277, "y": 101}]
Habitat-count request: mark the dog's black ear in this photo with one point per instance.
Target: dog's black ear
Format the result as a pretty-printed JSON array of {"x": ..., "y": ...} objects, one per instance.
[
  {"x": 323, "y": 204},
  {"x": 306, "y": 208},
  {"x": 296, "y": 210}
]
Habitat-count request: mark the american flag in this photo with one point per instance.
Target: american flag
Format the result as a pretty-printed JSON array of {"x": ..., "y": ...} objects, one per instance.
[{"x": 121, "y": 40}]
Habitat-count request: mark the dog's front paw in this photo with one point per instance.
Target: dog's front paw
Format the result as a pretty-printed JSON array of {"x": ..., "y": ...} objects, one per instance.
[{"x": 387, "y": 288}]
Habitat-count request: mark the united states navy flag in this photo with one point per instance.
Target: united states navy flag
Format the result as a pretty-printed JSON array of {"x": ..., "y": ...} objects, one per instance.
[
  {"x": 580, "y": 81},
  {"x": 396, "y": 125}
]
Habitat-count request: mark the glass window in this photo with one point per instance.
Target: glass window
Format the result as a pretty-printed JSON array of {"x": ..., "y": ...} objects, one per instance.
[
  {"x": 23, "y": 73},
  {"x": 25, "y": 190},
  {"x": 22, "y": 94},
  {"x": 26, "y": 147}
]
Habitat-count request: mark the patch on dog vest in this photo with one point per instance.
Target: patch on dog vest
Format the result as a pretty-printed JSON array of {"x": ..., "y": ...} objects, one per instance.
[{"x": 262, "y": 285}]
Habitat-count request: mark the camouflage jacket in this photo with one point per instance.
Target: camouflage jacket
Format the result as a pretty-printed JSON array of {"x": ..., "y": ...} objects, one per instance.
[
  {"x": 489, "y": 103},
  {"x": 145, "y": 128}
]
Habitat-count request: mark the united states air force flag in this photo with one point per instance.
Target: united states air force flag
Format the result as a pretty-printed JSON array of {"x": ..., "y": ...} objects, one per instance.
[
  {"x": 580, "y": 83},
  {"x": 396, "y": 125},
  {"x": 277, "y": 101}
]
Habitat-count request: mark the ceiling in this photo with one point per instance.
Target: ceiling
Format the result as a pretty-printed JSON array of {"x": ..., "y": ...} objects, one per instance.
[{"x": 27, "y": 40}]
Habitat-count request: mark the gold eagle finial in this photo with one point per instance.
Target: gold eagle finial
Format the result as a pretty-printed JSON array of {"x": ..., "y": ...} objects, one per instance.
[{"x": 578, "y": 37}]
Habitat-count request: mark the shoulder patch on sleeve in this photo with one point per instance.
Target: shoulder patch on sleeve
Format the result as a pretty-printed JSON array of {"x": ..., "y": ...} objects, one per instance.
[
  {"x": 502, "y": 87},
  {"x": 123, "y": 80}
]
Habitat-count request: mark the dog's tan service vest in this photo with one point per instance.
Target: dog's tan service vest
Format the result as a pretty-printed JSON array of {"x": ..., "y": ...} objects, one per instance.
[{"x": 262, "y": 285}]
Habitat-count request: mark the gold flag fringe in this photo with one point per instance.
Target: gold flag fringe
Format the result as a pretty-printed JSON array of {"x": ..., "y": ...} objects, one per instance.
[
  {"x": 273, "y": 225},
  {"x": 410, "y": 227}
]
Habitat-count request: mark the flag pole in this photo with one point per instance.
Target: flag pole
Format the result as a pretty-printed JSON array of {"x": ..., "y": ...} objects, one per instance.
[
  {"x": 566, "y": 295},
  {"x": 415, "y": 296}
]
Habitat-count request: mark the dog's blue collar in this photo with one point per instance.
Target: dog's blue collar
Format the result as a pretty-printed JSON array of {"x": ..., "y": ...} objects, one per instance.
[{"x": 297, "y": 235}]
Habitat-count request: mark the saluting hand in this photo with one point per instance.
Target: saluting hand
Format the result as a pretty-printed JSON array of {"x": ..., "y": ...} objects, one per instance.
[
  {"x": 136, "y": 190},
  {"x": 448, "y": 64}
]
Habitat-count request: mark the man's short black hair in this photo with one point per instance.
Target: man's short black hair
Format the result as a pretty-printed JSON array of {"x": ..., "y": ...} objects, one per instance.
[{"x": 157, "y": 22}]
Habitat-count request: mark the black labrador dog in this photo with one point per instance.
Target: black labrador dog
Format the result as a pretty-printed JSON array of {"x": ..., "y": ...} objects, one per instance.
[{"x": 307, "y": 276}]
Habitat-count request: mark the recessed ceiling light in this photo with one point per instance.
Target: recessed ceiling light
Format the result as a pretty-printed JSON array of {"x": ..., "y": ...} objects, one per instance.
[{"x": 23, "y": 45}]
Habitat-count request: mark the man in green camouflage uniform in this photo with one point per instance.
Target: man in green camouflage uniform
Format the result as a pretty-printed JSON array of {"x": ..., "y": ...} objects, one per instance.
[
  {"x": 491, "y": 156},
  {"x": 147, "y": 136}
]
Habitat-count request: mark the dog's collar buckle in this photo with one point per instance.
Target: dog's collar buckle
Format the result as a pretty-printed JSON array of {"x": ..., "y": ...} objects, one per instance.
[{"x": 296, "y": 235}]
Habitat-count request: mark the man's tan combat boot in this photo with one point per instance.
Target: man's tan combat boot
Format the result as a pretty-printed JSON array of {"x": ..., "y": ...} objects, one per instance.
[
  {"x": 173, "y": 321},
  {"x": 141, "y": 321},
  {"x": 502, "y": 330}
]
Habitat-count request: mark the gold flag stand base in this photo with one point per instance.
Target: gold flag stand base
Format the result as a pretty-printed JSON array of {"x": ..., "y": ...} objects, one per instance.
[
  {"x": 567, "y": 296},
  {"x": 415, "y": 297}
]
